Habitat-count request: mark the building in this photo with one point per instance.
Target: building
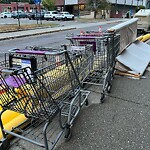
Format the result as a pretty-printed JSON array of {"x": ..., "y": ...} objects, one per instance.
[
  {"x": 72, "y": 6},
  {"x": 13, "y": 6},
  {"x": 121, "y": 7}
]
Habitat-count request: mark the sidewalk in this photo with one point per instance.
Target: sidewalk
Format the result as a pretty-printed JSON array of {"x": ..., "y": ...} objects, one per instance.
[
  {"x": 121, "y": 123},
  {"x": 17, "y": 34}
]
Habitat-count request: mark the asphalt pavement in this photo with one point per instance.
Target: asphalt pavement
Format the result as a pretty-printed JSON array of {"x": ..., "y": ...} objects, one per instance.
[
  {"x": 122, "y": 122},
  {"x": 61, "y": 27}
]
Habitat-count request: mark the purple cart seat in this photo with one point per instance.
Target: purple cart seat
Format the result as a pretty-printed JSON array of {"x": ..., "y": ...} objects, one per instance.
[{"x": 13, "y": 81}]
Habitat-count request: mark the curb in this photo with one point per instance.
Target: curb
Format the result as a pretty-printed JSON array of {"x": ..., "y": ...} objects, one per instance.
[{"x": 40, "y": 33}]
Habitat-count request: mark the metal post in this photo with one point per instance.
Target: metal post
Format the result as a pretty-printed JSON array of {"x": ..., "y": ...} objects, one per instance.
[
  {"x": 131, "y": 7},
  {"x": 78, "y": 9},
  {"x": 64, "y": 6},
  {"x": 116, "y": 7},
  {"x": 131, "y": 4},
  {"x": 142, "y": 2},
  {"x": 18, "y": 16},
  {"x": 40, "y": 14},
  {"x": 124, "y": 6},
  {"x": 137, "y": 2},
  {"x": 36, "y": 13}
]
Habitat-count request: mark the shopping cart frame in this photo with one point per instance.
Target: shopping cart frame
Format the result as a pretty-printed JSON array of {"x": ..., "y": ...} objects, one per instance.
[
  {"x": 79, "y": 94},
  {"x": 107, "y": 42}
]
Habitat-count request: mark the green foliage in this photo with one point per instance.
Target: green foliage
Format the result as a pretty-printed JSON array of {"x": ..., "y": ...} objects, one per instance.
[
  {"x": 139, "y": 7},
  {"x": 97, "y": 5},
  {"x": 49, "y": 4}
]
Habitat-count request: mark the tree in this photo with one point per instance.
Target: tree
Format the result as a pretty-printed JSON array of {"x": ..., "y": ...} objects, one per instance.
[
  {"x": 97, "y": 5},
  {"x": 49, "y": 4},
  {"x": 139, "y": 7}
]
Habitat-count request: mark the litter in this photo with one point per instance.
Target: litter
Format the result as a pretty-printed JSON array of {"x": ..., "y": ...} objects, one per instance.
[{"x": 134, "y": 59}]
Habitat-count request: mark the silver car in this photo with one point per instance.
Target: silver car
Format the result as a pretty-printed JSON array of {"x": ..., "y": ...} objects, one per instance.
[
  {"x": 50, "y": 15},
  {"x": 65, "y": 16},
  {"x": 5, "y": 15}
]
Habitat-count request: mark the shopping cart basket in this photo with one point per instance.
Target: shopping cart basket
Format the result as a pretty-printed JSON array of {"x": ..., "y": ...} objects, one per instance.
[
  {"x": 43, "y": 95},
  {"x": 105, "y": 49},
  {"x": 82, "y": 58},
  {"x": 4, "y": 60}
]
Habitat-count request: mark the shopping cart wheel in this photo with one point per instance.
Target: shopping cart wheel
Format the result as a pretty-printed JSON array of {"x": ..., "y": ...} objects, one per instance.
[
  {"x": 109, "y": 87},
  {"x": 102, "y": 97},
  {"x": 86, "y": 102},
  {"x": 67, "y": 133},
  {"x": 4, "y": 144},
  {"x": 62, "y": 120}
]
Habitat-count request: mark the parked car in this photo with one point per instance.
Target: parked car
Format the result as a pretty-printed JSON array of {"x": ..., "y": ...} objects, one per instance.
[
  {"x": 31, "y": 15},
  {"x": 65, "y": 16},
  {"x": 36, "y": 15},
  {"x": 5, "y": 15},
  {"x": 51, "y": 15},
  {"x": 19, "y": 14},
  {"x": 39, "y": 16},
  {"x": 143, "y": 24}
]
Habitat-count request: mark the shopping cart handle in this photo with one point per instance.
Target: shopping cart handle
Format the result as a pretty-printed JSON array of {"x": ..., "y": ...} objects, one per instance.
[
  {"x": 13, "y": 50},
  {"x": 7, "y": 71},
  {"x": 26, "y": 51}
]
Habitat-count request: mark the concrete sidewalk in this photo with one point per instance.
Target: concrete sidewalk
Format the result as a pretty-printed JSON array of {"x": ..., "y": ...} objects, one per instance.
[
  {"x": 17, "y": 34},
  {"x": 121, "y": 123}
]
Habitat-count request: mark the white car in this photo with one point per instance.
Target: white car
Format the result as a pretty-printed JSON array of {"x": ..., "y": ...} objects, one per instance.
[
  {"x": 65, "y": 16},
  {"x": 5, "y": 15},
  {"x": 50, "y": 15}
]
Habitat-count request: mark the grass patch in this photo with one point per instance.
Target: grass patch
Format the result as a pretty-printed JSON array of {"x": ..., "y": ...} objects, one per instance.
[{"x": 15, "y": 27}]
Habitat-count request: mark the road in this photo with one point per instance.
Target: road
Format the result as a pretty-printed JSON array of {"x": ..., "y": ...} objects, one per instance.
[{"x": 47, "y": 40}]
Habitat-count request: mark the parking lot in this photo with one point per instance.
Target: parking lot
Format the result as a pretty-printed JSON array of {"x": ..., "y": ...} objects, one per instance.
[{"x": 10, "y": 21}]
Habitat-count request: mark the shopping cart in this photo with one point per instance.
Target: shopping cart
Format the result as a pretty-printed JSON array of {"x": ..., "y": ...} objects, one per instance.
[
  {"x": 4, "y": 60},
  {"x": 48, "y": 94},
  {"x": 105, "y": 49},
  {"x": 82, "y": 58}
]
